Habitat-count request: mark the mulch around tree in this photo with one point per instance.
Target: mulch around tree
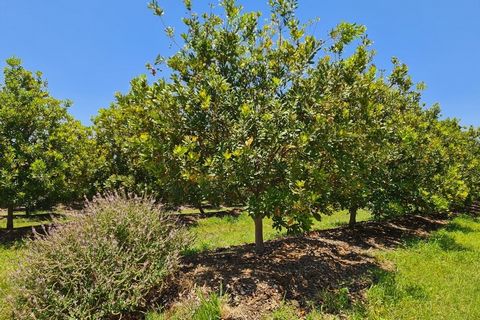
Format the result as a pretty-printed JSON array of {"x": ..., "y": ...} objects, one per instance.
[{"x": 296, "y": 269}]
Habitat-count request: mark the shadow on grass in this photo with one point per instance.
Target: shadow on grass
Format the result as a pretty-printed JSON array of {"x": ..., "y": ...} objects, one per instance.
[
  {"x": 455, "y": 226},
  {"x": 384, "y": 289},
  {"x": 14, "y": 244},
  {"x": 447, "y": 243},
  {"x": 191, "y": 219},
  {"x": 385, "y": 234},
  {"x": 35, "y": 217},
  {"x": 387, "y": 290},
  {"x": 18, "y": 234},
  {"x": 443, "y": 238}
]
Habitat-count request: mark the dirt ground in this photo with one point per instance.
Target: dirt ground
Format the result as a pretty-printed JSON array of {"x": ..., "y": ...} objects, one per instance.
[{"x": 295, "y": 268}]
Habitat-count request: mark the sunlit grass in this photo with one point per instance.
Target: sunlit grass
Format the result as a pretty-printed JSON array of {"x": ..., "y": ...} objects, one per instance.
[
  {"x": 433, "y": 279},
  {"x": 9, "y": 256},
  {"x": 11, "y": 253},
  {"x": 24, "y": 222},
  {"x": 227, "y": 231},
  {"x": 192, "y": 210},
  {"x": 436, "y": 279},
  {"x": 34, "y": 219}
]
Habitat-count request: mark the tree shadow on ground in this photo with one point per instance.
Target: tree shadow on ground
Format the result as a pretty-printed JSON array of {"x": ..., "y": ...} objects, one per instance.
[
  {"x": 385, "y": 234},
  {"x": 21, "y": 233},
  {"x": 191, "y": 219},
  {"x": 455, "y": 226},
  {"x": 36, "y": 216},
  {"x": 297, "y": 268},
  {"x": 389, "y": 290}
]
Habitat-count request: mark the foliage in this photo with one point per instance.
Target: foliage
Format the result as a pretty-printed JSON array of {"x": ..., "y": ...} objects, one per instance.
[
  {"x": 257, "y": 112},
  {"x": 129, "y": 134},
  {"x": 101, "y": 265},
  {"x": 47, "y": 156},
  {"x": 240, "y": 113}
]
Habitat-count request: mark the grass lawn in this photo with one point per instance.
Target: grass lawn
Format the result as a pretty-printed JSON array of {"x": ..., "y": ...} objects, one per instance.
[
  {"x": 227, "y": 231},
  {"x": 25, "y": 222},
  {"x": 434, "y": 279},
  {"x": 22, "y": 220},
  {"x": 9, "y": 255}
]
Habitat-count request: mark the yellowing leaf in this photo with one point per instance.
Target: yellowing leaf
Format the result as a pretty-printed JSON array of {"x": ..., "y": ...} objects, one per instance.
[
  {"x": 249, "y": 142},
  {"x": 276, "y": 81},
  {"x": 245, "y": 109},
  {"x": 144, "y": 137},
  {"x": 300, "y": 183},
  {"x": 180, "y": 150}
]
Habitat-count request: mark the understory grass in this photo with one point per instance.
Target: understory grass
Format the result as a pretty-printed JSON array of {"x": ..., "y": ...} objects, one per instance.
[
  {"x": 227, "y": 231},
  {"x": 25, "y": 222},
  {"x": 203, "y": 306},
  {"x": 434, "y": 279},
  {"x": 21, "y": 219},
  {"x": 9, "y": 256}
]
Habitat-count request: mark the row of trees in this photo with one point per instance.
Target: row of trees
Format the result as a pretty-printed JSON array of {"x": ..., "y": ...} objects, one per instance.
[
  {"x": 45, "y": 155},
  {"x": 254, "y": 112}
]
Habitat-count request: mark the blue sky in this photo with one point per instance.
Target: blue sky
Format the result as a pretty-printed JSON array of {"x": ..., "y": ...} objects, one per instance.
[{"x": 90, "y": 49}]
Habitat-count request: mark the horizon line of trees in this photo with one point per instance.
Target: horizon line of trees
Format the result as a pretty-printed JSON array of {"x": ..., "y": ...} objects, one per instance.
[{"x": 254, "y": 112}]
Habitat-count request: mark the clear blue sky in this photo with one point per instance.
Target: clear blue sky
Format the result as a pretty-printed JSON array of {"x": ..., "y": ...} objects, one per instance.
[{"x": 90, "y": 49}]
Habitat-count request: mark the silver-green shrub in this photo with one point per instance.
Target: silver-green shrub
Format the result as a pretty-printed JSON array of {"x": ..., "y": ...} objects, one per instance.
[{"x": 104, "y": 264}]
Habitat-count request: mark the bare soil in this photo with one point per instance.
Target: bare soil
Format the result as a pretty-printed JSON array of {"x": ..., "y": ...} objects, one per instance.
[{"x": 297, "y": 268}]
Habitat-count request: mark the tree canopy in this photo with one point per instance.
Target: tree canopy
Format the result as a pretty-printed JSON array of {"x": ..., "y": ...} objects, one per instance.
[
  {"x": 257, "y": 111},
  {"x": 45, "y": 155}
]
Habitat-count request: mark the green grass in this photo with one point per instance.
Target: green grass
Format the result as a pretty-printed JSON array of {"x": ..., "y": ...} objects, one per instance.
[
  {"x": 202, "y": 307},
  {"x": 191, "y": 210},
  {"x": 340, "y": 218},
  {"x": 22, "y": 220},
  {"x": 434, "y": 279},
  {"x": 11, "y": 253},
  {"x": 9, "y": 256},
  {"x": 25, "y": 222},
  {"x": 210, "y": 233},
  {"x": 228, "y": 231}
]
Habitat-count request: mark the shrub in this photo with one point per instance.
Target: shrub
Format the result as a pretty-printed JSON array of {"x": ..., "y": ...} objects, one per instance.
[{"x": 105, "y": 263}]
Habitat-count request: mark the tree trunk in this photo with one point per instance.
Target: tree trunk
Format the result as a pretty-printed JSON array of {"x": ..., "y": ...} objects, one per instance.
[
  {"x": 353, "y": 217},
  {"x": 259, "y": 247},
  {"x": 200, "y": 208},
  {"x": 10, "y": 218},
  {"x": 28, "y": 211}
]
